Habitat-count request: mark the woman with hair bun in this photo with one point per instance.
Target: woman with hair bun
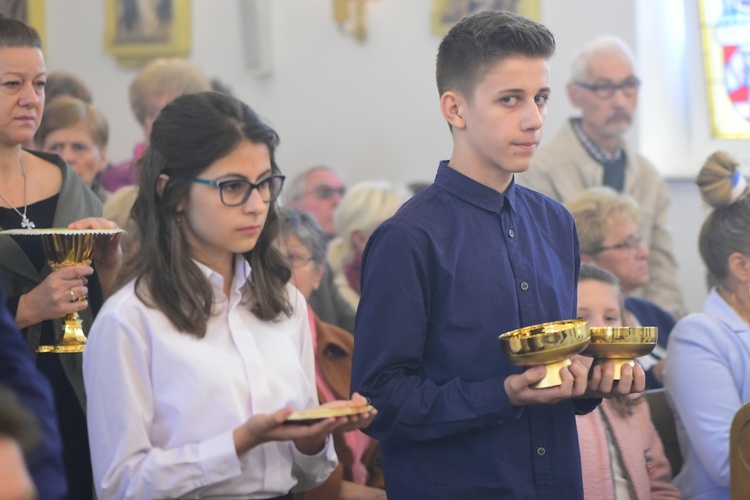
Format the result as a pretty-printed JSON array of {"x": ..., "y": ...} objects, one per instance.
[{"x": 707, "y": 371}]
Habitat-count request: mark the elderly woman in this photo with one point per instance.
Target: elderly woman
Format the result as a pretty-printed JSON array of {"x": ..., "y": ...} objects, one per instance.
[
  {"x": 708, "y": 364},
  {"x": 156, "y": 85},
  {"x": 78, "y": 132},
  {"x": 361, "y": 211},
  {"x": 359, "y": 472},
  {"x": 608, "y": 234}
]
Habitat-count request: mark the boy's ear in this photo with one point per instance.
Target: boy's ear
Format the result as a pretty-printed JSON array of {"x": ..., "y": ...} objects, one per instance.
[{"x": 452, "y": 105}]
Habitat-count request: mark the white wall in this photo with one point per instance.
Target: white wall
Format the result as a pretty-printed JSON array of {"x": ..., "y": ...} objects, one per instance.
[{"x": 372, "y": 108}]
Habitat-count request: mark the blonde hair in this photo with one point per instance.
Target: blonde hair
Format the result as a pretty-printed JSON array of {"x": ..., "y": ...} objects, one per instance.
[
  {"x": 727, "y": 229},
  {"x": 362, "y": 209},
  {"x": 161, "y": 76},
  {"x": 592, "y": 210}
]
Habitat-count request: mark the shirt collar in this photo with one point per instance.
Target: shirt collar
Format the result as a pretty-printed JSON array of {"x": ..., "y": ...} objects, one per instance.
[
  {"x": 594, "y": 150},
  {"x": 473, "y": 192},
  {"x": 241, "y": 274},
  {"x": 720, "y": 309}
]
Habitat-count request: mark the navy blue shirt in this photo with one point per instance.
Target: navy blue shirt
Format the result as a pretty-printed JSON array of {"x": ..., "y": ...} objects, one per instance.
[
  {"x": 649, "y": 314},
  {"x": 17, "y": 372},
  {"x": 457, "y": 266}
]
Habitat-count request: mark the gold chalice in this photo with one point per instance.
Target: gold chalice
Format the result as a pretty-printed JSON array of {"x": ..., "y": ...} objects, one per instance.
[
  {"x": 620, "y": 344},
  {"x": 66, "y": 248},
  {"x": 550, "y": 344}
]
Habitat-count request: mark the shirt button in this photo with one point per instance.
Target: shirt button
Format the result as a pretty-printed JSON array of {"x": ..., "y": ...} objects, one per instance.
[
  {"x": 511, "y": 233},
  {"x": 524, "y": 286},
  {"x": 541, "y": 451}
]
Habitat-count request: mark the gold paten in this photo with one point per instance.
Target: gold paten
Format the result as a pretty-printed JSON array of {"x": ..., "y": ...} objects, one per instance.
[
  {"x": 550, "y": 344},
  {"x": 620, "y": 344},
  {"x": 321, "y": 413},
  {"x": 66, "y": 248}
]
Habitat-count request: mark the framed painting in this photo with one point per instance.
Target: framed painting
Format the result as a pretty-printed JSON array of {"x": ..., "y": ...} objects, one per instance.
[
  {"x": 446, "y": 13},
  {"x": 725, "y": 33},
  {"x": 29, "y": 11},
  {"x": 136, "y": 31}
]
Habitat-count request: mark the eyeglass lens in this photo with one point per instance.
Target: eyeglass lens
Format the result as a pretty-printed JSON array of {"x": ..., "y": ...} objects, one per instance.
[
  {"x": 606, "y": 90},
  {"x": 237, "y": 191},
  {"x": 328, "y": 192}
]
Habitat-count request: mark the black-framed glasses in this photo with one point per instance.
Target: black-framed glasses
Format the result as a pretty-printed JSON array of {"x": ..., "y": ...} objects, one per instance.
[
  {"x": 325, "y": 192},
  {"x": 234, "y": 192},
  {"x": 630, "y": 244},
  {"x": 629, "y": 87},
  {"x": 296, "y": 260}
]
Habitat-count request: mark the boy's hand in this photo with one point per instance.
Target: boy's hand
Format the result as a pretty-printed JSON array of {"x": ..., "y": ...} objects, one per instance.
[
  {"x": 520, "y": 393},
  {"x": 602, "y": 383}
]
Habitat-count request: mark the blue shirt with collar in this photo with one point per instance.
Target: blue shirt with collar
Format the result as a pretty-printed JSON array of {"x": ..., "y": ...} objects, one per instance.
[
  {"x": 18, "y": 373},
  {"x": 457, "y": 266}
]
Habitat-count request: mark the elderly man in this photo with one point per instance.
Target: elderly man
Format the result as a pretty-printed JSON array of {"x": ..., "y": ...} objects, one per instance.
[
  {"x": 317, "y": 191},
  {"x": 591, "y": 151}
]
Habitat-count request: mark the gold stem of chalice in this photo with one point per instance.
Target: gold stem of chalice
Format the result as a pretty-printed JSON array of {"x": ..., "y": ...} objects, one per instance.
[
  {"x": 619, "y": 363},
  {"x": 552, "y": 378},
  {"x": 68, "y": 250}
]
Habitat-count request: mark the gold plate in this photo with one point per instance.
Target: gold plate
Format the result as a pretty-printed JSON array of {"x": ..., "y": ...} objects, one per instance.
[
  {"x": 58, "y": 230},
  {"x": 313, "y": 415}
]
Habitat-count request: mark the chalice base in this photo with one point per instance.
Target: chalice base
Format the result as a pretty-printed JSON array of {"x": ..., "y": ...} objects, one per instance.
[
  {"x": 552, "y": 378},
  {"x": 619, "y": 363},
  {"x": 73, "y": 338}
]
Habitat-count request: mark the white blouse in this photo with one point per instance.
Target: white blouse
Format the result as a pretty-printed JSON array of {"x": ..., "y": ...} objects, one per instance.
[{"x": 162, "y": 404}]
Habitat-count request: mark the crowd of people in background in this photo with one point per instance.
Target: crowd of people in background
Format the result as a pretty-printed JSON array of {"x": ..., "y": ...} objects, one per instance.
[{"x": 238, "y": 295}]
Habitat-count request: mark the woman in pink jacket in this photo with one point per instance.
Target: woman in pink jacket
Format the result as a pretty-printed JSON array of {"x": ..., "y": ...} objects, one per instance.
[{"x": 621, "y": 454}]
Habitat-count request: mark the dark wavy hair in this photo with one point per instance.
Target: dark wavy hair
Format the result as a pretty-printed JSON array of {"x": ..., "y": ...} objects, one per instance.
[
  {"x": 15, "y": 33},
  {"x": 189, "y": 135}
]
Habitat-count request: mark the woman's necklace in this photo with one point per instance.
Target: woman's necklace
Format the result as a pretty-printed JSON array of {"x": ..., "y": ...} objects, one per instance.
[{"x": 25, "y": 222}]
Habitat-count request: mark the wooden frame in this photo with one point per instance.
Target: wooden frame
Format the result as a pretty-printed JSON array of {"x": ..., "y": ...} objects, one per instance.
[
  {"x": 29, "y": 11},
  {"x": 446, "y": 13},
  {"x": 134, "y": 38},
  {"x": 726, "y": 66}
]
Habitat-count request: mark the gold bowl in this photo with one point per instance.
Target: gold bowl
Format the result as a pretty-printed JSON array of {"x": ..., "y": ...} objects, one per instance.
[
  {"x": 621, "y": 344},
  {"x": 550, "y": 344},
  {"x": 66, "y": 248}
]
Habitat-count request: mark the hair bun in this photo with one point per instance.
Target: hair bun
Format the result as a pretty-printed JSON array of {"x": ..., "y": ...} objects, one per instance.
[{"x": 720, "y": 180}]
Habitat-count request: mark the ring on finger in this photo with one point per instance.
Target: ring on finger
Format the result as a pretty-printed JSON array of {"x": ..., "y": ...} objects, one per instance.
[{"x": 72, "y": 295}]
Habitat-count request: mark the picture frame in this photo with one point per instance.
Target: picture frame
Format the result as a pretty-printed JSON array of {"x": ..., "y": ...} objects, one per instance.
[
  {"x": 725, "y": 34},
  {"x": 135, "y": 36},
  {"x": 446, "y": 13},
  {"x": 29, "y": 11}
]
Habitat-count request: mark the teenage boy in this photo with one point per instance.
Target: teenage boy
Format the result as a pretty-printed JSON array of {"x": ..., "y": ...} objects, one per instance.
[{"x": 470, "y": 257}]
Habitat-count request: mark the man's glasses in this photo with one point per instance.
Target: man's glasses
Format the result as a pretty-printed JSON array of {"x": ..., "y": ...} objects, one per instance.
[
  {"x": 327, "y": 192},
  {"x": 628, "y": 86},
  {"x": 630, "y": 244},
  {"x": 234, "y": 192}
]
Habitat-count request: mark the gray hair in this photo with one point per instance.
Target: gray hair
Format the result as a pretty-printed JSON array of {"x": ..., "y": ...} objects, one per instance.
[
  {"x": 579, "y": 66},
  {"x": 295, "y": 189},
  {"x": 307, "y": 230}
]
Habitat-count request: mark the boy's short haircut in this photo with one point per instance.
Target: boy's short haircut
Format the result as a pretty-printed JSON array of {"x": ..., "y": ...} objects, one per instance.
[{"x": 482, "y": 39}]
